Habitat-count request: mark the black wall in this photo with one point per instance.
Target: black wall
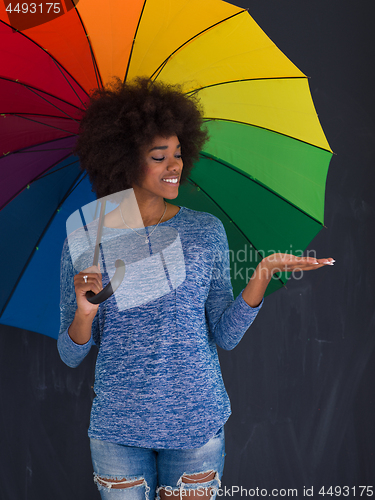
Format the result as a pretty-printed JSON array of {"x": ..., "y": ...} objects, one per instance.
[{"x": 301, "y": 382}]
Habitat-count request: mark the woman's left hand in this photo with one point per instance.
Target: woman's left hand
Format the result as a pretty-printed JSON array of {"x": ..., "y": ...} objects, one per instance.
[
  {"x": 276, "y": 263},
  {"x": 286, "y": 262}
]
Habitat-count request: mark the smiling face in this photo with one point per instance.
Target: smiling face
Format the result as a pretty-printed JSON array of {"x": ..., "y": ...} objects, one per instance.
[{"x": 162, "y": 169}]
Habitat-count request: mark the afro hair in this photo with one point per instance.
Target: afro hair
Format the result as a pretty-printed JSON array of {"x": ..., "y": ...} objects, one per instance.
[{"x": 123, "y": 118}]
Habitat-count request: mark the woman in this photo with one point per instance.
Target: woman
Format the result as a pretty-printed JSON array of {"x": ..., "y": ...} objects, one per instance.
[{"x": 157, "y": 419}]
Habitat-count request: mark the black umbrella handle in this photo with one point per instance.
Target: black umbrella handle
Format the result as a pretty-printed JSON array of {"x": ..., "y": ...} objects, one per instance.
[
  {"x": 111, "y": 287},
  {"x": 120, "y": 267}
]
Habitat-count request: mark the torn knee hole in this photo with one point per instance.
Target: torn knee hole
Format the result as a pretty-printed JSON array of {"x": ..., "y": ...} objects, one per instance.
[
  {"x": 201, "y": 484},
  {"x": 201, "y": 477},
  {"x": 118, "y": 483}
]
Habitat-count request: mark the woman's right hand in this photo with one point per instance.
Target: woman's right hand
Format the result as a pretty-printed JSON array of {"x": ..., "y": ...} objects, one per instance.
[{"x": 93, "y": 282}]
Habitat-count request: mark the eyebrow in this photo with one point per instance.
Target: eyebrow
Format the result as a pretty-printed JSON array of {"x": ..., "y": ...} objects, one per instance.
[{"x": 163, "y": 147}]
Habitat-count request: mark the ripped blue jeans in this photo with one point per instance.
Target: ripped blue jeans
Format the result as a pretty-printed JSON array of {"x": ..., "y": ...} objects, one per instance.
[{"x": 154, "y": 469}]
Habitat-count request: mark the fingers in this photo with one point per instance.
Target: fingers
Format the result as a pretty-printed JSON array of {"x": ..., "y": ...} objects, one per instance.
[
  {"x": 327, "y": 262},
  {"x": 317, "y": 264},
  {"x": 288, "y": 263},
  {"x": 91, "y": 269},
  {"x": 309, "y": 264},
  {"x": 309, "y": 261},
  {"x": 86, "y": 281}
]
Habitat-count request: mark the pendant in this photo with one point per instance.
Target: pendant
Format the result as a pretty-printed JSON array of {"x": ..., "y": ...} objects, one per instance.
[{"x": 146, "y": 240}]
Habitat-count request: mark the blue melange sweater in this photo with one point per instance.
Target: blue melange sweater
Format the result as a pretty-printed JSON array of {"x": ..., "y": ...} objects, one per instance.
[{"x": 158, "y": 382}]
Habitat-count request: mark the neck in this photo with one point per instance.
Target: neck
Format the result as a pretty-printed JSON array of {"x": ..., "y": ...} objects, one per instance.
[{"x": 151, "y": 209}]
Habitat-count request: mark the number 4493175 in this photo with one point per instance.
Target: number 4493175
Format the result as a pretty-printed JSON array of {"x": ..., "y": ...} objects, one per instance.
[
  {"x": 345, "y": 491},
  {"x": 33, "y": 8}
]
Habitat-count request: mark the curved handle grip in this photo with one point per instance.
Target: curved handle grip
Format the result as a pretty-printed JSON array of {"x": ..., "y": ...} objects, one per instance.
[{"x": 111, "y": 287}]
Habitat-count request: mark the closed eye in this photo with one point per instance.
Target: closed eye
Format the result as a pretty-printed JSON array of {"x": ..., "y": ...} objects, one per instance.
[{"x": 179, "y": 157}]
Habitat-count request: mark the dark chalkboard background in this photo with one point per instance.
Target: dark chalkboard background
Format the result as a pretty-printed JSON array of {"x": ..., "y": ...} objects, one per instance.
[{"x": 301, "y": 382}]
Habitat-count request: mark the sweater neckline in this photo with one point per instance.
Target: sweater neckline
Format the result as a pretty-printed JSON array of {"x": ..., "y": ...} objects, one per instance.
[{"x": 106, "y": 228}]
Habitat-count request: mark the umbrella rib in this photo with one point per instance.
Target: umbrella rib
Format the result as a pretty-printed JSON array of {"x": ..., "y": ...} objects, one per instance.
[
  {"x": 247, "y": 80},
  {"x": 31, "y": 149},
  {"x": 68, "y": 82},
  {"x": 71, "y": 189},
  {"x": 209, "y": 119},
  {"x": 158, "y": 70},
  {"x": 229, "y": 218},
  {"x": 58, "y": 65},
  {"x": 42, "y": 176},
  {"x": 42, "y": 123},
  {"x": 96, "y": 69},
  {"x": 32, "y": 180},
  {"x": 26, "y": 151},
  {"x": 51, "y": 173},
  {"x": 224, "y": 212},
  {"x": 135, "y": 36},
  {"x": 252, "y": 179},
  {"x": 35, "y": 91},
  {"x": 50, "y": 103}
]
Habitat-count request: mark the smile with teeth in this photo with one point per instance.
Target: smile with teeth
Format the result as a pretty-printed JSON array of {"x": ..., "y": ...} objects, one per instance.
[{"x": 171, "y": 180}]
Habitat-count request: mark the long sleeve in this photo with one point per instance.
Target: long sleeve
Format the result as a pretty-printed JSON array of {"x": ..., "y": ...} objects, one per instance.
[
  {"x": 228, "y": 319},
  {"x": 71, "y": 353}
]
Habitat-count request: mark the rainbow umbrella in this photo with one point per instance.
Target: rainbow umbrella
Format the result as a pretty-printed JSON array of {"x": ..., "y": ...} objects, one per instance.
[{"x": 262, "y": 173}]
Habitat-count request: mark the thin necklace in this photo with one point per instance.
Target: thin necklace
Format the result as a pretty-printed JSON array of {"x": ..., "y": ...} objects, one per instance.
[{"x": 147, "y": 239}]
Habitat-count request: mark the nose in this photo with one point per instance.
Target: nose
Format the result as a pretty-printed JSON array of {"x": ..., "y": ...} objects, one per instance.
[{"x": 175, "y": 164}]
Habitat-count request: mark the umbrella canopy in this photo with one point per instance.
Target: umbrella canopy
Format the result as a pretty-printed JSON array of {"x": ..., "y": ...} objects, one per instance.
[{"x": 262, "y": 173}]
